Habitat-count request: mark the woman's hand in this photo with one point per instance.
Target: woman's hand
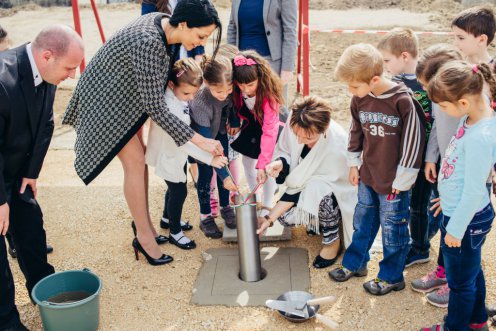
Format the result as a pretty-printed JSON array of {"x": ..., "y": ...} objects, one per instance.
[
  {"x": 274, "y": 168},
  {"x": 451, "y": 241},
  {"x": 263, "y": 225},
  {"x": 219, "y": 162},
  {"x": 430, "y": 172},
  {"x": 354, "y": 176},
  {"x": 229, "y": 185},
  {"x": 261, "y": 176},
  {"x": 212, "y": 146},
  {"x": 436, "y": 206}
]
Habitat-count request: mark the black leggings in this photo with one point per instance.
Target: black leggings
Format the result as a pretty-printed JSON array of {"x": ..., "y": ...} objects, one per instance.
[{"x": 173, "y": 205}]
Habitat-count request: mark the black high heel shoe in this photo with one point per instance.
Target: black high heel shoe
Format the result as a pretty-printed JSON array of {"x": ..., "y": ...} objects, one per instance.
[
  {"x": 164, "y": 259},
  {"x": 160, "y": 239}
]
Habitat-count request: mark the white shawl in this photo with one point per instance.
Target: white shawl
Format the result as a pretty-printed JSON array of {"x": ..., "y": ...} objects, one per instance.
[{"x": 321, "y": 172}]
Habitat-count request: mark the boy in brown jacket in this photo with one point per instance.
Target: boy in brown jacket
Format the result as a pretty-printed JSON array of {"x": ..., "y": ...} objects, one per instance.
[{"x": 387, "y": 139}]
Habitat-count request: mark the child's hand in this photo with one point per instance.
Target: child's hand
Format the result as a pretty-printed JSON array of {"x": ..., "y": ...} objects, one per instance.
[
  {"x": 430, "y": 172},
  {"x": 261, "y": 176},
  {"x": 274, "y": 168},
  {"x": 354, "y": 177},
  {"x": 219, "y": 161},
  {"x": 436, "y": 206},
  {"x": 452, "y": 241},
  {"x": 229, "y": 185}
]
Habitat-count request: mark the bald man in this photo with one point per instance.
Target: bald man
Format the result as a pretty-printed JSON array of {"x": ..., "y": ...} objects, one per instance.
[{"x": 28, "y": 78}]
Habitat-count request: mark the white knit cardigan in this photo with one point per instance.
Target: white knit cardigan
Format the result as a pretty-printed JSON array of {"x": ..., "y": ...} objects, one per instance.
[{"x": 321, "y": 172}]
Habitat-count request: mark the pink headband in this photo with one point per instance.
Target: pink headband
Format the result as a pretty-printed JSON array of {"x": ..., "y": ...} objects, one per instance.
[
  {"x": 240, "y": 60},
  {"x": 180, "y": 73},
  {"x": 475, "y": 69}
]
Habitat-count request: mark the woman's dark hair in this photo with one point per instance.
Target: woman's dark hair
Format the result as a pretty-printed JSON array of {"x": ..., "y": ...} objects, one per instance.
[{"x": 197, "y": 14}]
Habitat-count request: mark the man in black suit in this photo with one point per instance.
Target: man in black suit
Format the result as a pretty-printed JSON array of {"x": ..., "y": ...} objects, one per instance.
[{"x": 28, "y": 78}]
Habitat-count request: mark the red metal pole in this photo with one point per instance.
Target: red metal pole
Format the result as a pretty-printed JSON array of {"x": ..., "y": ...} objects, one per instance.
[
  {"x": 298, "y": 64},
  {"x": 77, "y": 26},
  {"x": 306, "y": 48},
  {"x": 97, "y": 18}
]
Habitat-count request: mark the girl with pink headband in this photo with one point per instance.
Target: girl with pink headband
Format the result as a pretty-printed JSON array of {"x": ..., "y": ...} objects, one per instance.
[{"x": 257, "y": 96}]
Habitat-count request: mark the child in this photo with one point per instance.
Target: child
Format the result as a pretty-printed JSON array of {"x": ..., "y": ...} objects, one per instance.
[
  {"x": 168, "y": 159},
  {"x": 474, "y": 30},
  {"x": 209, "y": 111},
  {"x": 444, "y": 127},
  {"x": 399, "y": 49},
  {"x": 257, "y": 96},
  {"x": 386, "y": 120},
  {"x": 458, "y": 88}
]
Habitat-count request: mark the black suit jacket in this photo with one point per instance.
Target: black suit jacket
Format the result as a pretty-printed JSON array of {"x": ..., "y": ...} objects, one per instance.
[{"x": 26, "y": 121}]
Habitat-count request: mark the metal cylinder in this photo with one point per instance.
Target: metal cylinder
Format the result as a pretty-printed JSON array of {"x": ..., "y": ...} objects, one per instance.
[{"x": 250, "y": 266}]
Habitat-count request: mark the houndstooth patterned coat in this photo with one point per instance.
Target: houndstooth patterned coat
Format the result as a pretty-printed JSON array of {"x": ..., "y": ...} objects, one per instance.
[{"x": 122, "y": 85}]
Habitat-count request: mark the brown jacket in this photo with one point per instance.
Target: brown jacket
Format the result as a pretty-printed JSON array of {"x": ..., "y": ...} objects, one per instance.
[{"x": 388, "y": 131}]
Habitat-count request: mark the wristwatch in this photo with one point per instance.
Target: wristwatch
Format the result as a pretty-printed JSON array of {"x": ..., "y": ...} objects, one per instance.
[{"x": 270, "y": 221}]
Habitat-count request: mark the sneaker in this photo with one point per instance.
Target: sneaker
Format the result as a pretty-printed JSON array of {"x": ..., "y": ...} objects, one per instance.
[
  {"x": 430, "y": 282},
  {"x": 209, "y": 228},
  {"x": 381, "y": 287},
  {"x": 439, "y": 298},
  {"x": 414, "y": 258},
  {"x": 342, "y": 274},
  {"x": 229, "y": 216}
]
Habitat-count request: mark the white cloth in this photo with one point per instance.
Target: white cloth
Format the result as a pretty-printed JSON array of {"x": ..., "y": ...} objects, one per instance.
[
  {"x": 323, "y": 171},
  {"x": 36, "y": 73},
  {"x": 163, "y": 153}
]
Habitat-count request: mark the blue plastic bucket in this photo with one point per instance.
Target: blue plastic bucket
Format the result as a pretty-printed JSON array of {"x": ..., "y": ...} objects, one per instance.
[{"x": 69, "y": 300}]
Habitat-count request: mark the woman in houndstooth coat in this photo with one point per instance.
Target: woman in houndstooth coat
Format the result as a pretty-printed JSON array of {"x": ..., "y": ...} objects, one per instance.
[{"x": 122, "y": 86}]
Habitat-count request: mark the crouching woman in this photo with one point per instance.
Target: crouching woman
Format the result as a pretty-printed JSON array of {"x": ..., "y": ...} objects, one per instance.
[{"x": 310, "y": 162}]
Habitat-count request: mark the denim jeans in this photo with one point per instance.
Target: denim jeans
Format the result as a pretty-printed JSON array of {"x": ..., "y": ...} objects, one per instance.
[
  {"x": 374, "y": 210},
  {"x": 464, "y": 273},
  {"x": 419, "y": 218}
]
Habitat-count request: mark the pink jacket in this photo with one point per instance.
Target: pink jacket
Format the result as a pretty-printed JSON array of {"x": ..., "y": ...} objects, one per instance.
[{"x": 270, "y": 129}]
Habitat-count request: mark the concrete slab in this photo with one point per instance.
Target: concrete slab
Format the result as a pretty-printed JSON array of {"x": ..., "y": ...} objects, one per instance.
[
  {"x": 218, "y": 281},
  {"x": 275, "y": 233}
]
